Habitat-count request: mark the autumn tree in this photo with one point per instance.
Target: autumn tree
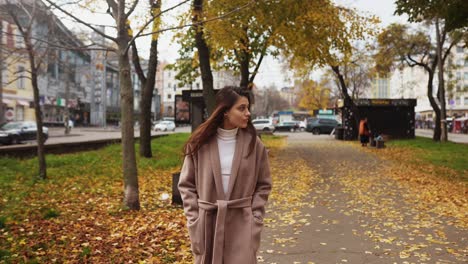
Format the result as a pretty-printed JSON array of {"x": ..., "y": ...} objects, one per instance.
[
  {"x": 25, "y": 14},
  {"x": 243, "y": 40},
  {"x": 446, "y": 16},
  {"x": 124, "y": 38},
  {"x": 313, "y": 95},
  {"x": 398, "y": 46},
  {"x": 237, "y": 37},
  {"x": 322, "y": 35}
]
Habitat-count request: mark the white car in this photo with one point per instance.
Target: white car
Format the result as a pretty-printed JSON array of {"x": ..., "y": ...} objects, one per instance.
[
  {"x": 302, "y": 125},
  {"x": 165, "y": 126},
  {"x": 263, "y": 125}
]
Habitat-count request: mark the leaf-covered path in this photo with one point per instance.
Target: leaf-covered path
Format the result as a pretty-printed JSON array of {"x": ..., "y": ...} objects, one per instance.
[{"x": 336, "y": 203}]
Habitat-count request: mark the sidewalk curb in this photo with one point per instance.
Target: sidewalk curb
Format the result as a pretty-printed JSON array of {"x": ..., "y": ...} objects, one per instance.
[{"x": 27, "y": 151}]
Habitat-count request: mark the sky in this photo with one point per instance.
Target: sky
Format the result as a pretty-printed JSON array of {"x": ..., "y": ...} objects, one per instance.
[{"x": 272, "y": 71}]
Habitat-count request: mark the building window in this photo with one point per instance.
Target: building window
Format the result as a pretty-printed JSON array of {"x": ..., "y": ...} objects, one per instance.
[
  {"x": 19, "y": 40},
  {"x": 458, "y": 75},
  {"x": 465, "y": 76},
  {"x": 459, "y": 62},
  {"x": 4, "y": 30},
  {"x": 21, "y": 77},
  {"x": 466, "y": 100},
  {"x": 458, "y": 101},
  {"x": 198, "y": 85},
  {"x": 466, "y": 62},
  {"x": 5, "y": 79},
  {"x": 169, "y": 96},
  {"x": 169, "y": 85},
  {"x": 175, "y": 86},
  {"x": 460, "y": 49},
  {"x": 19, "y": 113}
]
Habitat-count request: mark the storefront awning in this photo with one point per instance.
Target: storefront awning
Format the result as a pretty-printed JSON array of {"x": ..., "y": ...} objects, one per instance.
[
  {"x": 22, "y": 102},
  {"x": 7, "y": 101}
]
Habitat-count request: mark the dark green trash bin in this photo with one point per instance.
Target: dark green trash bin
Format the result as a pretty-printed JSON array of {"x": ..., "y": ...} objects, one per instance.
[{"x": 339, "y": 133}]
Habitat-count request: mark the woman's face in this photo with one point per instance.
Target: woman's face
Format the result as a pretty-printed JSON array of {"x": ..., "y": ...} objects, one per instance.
[{"x": 238, "y": 115}]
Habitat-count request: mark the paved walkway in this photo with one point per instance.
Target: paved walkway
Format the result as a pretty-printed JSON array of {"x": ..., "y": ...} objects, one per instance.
[{"x": 354, "y": 214}]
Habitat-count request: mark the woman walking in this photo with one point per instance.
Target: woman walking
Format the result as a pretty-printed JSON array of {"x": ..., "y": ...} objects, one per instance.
[{"x": 225, "y": 182}]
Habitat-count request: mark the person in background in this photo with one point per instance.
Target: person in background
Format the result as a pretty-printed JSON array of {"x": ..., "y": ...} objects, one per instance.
[{"x": 364, "y": 132}]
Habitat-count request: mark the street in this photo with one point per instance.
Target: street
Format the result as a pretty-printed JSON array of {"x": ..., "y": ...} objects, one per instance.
[
  {"x": 457, "y": 138},
  {"x": 85, "y": 134}
]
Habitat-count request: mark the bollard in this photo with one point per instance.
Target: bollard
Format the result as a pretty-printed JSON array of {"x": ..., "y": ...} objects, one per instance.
[{"x": 176, "y": 198}]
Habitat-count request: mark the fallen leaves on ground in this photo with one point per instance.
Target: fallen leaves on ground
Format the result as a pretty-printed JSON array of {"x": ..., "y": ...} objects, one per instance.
[
  {"x": 78, "y": 218},
  {"x": 83, "y": 221}
]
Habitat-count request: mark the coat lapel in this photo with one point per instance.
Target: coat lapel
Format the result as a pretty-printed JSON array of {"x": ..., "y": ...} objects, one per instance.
[
  {"x": 216, "y": 167},
  {"x": 236, "y": 161}
]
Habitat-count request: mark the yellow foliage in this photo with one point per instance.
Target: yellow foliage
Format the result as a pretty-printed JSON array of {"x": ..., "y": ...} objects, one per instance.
[{"x": 313, "y": 95}]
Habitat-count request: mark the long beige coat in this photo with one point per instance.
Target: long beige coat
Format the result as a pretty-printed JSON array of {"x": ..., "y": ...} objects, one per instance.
[{"x": 225, "y": 229}]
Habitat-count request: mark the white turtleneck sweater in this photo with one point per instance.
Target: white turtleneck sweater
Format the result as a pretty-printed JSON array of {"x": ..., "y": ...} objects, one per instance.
[{"x": 226, "y": 146}]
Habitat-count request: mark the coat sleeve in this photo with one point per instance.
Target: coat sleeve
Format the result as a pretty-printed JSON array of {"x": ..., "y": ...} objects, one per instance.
[
  {"x": 263, "y": 187},
  {"x": 188, "y": 190}
]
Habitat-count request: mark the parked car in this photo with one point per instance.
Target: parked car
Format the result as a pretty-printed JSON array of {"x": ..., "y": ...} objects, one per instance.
[
  {"x": 321, "y": 126},
  {"x": 290, "y": 126},
  {"x": 165, "y": 126},
  {"x": 16, "y": 132},
  {"x": 263, "y": 125}
]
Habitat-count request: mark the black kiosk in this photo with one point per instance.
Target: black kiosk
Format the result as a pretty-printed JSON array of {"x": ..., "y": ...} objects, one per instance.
[{"x": 391, "y": 117}]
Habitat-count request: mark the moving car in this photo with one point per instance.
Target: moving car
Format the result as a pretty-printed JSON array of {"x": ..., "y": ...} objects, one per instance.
[
  {"x": 17, "y": 132},
  {"x": 165, "y": 126},
  {"x": 321, "y": 126},
  {"x": 263, "y": 125},
  {"x": 290, "y": 126}
]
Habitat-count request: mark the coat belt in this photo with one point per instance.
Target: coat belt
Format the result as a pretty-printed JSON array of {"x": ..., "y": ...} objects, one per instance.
[{"x": 222, "y": 206}]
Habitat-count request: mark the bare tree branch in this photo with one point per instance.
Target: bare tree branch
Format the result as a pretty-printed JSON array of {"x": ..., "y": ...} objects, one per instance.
[
  {"x": 132, "y": 8},
  {"x": 235, "y": 10},
  {"x": 257, "y": 66},
  {"x": 136, "y": 63},
  {"x": 112, "y": 9},
  {"x": 151, "y": 20},
  {"x": 81, "y": 21}
]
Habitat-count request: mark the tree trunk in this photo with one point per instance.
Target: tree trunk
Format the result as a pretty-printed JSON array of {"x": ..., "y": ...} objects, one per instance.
[
  {"x": 2, "y": 114},
  {"x": 244, "y": 59},
  {"x": 432, "y": 101},
  {"x": 347, "y": 99},
  {"x": 146, "y": 100},
  {"x": 145, "y": 121},
  {"x": 244, "y": 68},
  {"x": 203, "y": 57},
  {"x": 131, "y": 189},
  {"x": 441, "y": 88},
  {"x": 37, "y": 109},
  {"x": 67, "y": 94},
  {"x": 147, "y": 91}
]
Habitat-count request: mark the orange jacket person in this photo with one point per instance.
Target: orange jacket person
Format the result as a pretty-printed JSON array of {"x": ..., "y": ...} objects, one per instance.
[{"x": 364, "y": 132}]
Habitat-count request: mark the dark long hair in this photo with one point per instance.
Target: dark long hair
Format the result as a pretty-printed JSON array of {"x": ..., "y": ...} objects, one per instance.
[{"x": 225, "y": 100}]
